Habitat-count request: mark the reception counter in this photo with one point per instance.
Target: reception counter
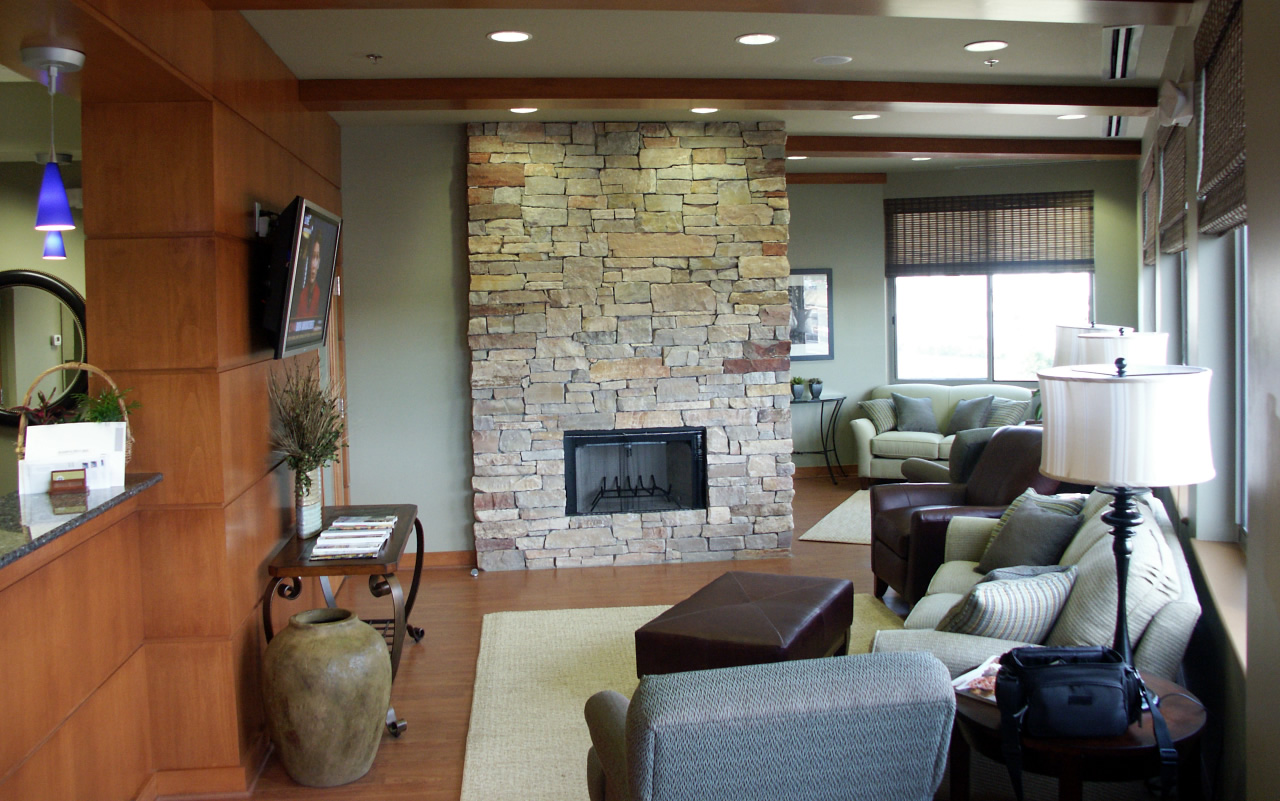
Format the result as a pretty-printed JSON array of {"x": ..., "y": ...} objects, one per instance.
[{"x": 77, "y": 715}]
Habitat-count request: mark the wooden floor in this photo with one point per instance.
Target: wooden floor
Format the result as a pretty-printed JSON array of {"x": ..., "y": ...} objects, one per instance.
[{"x": 433, "y": 689}]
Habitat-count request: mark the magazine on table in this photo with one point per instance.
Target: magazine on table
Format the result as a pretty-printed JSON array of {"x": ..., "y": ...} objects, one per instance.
[
  {"x": 363, "y": 522},
  {"x": 337, "y": 543},
  {"x": 980, "y": 682}
]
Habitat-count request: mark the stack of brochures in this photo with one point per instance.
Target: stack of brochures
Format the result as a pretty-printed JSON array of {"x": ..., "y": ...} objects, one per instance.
[{"x": 354, "y": 537}]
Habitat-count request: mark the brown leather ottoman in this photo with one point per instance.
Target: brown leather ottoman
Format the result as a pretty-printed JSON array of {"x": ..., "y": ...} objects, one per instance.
[{"x": 748, "y": 619}]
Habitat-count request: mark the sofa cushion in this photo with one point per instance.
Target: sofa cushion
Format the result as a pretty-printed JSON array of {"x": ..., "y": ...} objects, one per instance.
[
  {"x": 1011, "y": 609},
  {"x": 915, "y": 414},
  {"x": 931, "y": 609},
  {"x": 880, "y": 413},
  {"x": 1090, "y": 613},
  {"x": 1005, "y": 412},
  {"x": 905, "y": 444},
  {"x": 1033, "y": 532},
  {"x": 970, "y": 413},
  {"x": 944, "y": 447},
  {"x": 954, "y": 577},
  {"x": 1065, "y": 504}
]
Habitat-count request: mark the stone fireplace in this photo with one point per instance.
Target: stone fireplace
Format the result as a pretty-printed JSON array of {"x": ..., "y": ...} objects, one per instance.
[{"x": 629, "y": 280}]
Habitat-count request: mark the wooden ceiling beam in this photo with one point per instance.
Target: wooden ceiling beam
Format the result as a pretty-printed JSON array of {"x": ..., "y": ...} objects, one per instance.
[
  {"x": 438, "y": 94},
  {"x": 962, "y": 147},
  {"x": 1097, "y": 12}
]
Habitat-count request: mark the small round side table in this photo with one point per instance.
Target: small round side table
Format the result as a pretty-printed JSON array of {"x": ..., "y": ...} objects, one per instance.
[{"x": 1133, "y": 755}]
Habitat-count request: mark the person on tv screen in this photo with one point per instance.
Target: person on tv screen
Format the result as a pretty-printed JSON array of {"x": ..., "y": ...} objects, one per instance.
[{"x": 309, "y": 295}]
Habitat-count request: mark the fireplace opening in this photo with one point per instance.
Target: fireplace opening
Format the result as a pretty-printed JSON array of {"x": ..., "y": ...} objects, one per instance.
[{"x": 637, "y": 470}]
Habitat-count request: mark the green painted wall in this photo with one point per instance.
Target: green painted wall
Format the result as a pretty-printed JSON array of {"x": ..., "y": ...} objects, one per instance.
[{"x": 405, "y": 280}]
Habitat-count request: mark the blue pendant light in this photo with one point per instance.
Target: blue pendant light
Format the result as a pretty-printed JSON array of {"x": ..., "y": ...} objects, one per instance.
[
  {"x": 53, "y": 212},
  {"x": 54, "y": 248}
]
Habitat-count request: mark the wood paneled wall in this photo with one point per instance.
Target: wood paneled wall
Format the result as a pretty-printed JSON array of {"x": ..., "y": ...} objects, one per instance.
[{"x": 175, "y": 155}]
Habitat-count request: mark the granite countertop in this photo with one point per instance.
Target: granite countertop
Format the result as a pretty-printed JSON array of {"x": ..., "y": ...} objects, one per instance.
[{"x": 29, "y": 522}]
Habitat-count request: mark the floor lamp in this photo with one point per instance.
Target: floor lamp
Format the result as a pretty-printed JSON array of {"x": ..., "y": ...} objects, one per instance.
[{"x": 1126, "y": 430}]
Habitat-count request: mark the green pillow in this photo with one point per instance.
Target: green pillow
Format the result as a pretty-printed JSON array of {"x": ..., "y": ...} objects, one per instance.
[
  {"x": 1005, "y": 412},
  {"x": 1034, "y": 530},
  {"x": 970, "y": 414},
  {"x": 915, "y": 414},
  {"x": 880, "y": 413},
  {"x": 1021, "y": 609}
]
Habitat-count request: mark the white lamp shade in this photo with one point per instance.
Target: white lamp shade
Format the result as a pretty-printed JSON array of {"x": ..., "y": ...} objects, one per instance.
[
  {"x": 1148, "y": 347},
  {"x": 1068, "y": 349},
  {"x": 1146, "y": 429}
]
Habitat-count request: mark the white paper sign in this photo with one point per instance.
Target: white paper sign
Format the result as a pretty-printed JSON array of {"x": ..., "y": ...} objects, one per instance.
[{"x": 97, "y": 448}]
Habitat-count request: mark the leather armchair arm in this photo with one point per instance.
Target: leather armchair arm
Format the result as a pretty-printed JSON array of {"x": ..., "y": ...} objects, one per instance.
[
  {"x": 929, "y": 542},
  {"x": 919, "y": 471},
  {"x": 885, "y": 497}
]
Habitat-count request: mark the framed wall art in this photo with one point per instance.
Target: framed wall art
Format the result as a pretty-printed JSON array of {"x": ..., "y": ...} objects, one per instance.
[{"x": 811, "y": 330}]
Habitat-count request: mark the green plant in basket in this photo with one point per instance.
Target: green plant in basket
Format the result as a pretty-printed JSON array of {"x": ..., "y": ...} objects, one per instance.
[
  {"x": 306, "y": 420},
  {"x": 104, "y": 407}
]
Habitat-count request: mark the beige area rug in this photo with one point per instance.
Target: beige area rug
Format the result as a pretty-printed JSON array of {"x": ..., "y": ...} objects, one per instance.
[
  {"x": 849, "y": 523},
  {"x": 528, "y": 740}
]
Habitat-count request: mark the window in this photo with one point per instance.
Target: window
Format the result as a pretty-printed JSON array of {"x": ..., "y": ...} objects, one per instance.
[{"x": 978, "y": 284}]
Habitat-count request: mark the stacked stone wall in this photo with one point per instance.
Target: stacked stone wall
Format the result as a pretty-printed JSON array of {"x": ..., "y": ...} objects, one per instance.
[{"x": 628, "y": 275}]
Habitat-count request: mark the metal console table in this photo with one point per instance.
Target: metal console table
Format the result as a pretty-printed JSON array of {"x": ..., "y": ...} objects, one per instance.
[
  {"x": 293, "y": 562},
  {"x": 826, "y": 429}
]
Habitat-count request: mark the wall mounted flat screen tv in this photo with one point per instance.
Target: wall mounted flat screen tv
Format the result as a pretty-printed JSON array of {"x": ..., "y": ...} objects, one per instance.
[{"x": 304, "y": 254}]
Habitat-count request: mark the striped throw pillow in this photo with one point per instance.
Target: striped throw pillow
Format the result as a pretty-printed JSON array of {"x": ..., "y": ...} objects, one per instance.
[
  {"x": 1005, "y": 412},
  {"x": 1023, "y": 609},
  {"x": 881, "y": 413}
]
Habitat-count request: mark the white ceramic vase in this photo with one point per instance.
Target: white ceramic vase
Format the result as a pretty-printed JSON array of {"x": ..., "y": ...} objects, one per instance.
[{"x": 310, "y": 504}]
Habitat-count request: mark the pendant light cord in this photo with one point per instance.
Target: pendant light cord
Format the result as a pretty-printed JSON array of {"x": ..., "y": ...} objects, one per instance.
[{"x": 53, "y": 82}]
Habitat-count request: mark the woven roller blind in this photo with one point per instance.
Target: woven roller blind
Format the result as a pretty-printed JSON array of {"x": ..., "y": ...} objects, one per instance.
[
  {"x": 1222, "y": 172},
  {"x": 989, "y": 233},
  {"x": 1173, "y": 202},
  {"x": 1150, "y": 212}
]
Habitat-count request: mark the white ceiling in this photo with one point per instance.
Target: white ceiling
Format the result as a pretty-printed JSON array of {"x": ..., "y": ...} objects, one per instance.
[{"x": 451, "y": 43}]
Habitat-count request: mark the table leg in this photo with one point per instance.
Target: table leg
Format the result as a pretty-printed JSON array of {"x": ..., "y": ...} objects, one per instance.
[
  {"x": 380, "y": 586},
  {"x": 1189, "y": 786},
  {"x": 959, "y": 756},
  {"x": 824, "y": 434},
  {"x": 415, "y": 632},
  {"x": 287, "y": 591},
  {"x": 326, "y": 589}
]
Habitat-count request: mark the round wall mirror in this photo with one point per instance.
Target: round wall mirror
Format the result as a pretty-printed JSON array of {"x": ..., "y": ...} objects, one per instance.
[{"x": 41, "y": 325}]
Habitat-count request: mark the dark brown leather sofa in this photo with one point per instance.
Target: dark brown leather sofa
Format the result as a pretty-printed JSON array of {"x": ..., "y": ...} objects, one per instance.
[{"x": 909, "y": 521}]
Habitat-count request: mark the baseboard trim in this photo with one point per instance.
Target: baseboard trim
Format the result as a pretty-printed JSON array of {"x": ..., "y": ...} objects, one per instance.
[{"x": 820, "y": 471}]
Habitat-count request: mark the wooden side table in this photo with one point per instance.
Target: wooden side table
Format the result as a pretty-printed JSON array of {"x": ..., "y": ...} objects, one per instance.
[
  {"x": 1133, "y": 755},
  {"x": 293, "y": 562}
]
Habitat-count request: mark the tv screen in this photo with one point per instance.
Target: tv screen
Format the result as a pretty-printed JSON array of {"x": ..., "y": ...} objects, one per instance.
[{"x": 304, "y": 253}]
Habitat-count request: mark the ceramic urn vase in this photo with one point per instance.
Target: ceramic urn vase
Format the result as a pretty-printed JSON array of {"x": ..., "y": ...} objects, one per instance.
[{"x": 326, "y": 687}]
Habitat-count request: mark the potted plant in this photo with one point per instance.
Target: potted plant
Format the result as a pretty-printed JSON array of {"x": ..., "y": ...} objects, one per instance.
[
  {"x": 815, "y": 387},
  {"x": 306, "y": 426},
  {"x": 797, "y": 387}
]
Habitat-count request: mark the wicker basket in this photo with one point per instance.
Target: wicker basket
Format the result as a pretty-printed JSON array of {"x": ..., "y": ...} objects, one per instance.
[{"x": 26, "y": 402}]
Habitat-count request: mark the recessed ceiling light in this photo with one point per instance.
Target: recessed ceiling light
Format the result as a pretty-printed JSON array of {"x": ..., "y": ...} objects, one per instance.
[
  {"x": 1072, "y": 116},
  {"x": 756, "y": 39},
  {"x": 922, "y": 158},
  {"x": 832, "y": 61},
  {"x": 704, "y": 110},
  {"x": 986, "y": 46},
  {"x": 523, "y": 110},
  {"x": 796, "y": 158},
  {"x": 865, "y": 117},
  {"x": 510, "y": 36}
]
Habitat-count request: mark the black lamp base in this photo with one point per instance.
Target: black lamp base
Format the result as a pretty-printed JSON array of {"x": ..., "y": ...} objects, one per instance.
[{"x": 1123, "y": 518}]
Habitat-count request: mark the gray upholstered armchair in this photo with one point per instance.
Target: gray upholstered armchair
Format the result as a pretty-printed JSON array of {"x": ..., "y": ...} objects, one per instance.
[{"x": 809, "y": 729}]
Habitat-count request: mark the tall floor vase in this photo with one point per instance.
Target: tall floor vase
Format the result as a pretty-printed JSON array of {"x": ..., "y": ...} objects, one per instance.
[
  {"x": 327, "y": 686},
  {"x": 309, "y": 504}
]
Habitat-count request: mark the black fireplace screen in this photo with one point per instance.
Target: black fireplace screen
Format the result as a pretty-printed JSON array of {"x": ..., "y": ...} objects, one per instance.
[{"x": 637, "y": 470}]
